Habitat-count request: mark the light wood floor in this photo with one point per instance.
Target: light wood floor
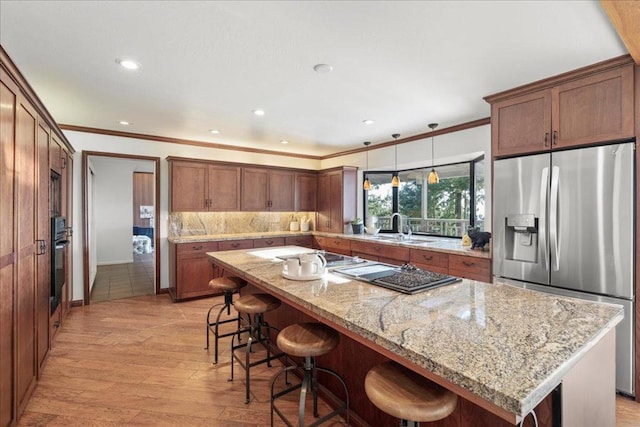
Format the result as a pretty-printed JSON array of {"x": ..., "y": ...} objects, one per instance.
[{"x": 141, "y": 361}]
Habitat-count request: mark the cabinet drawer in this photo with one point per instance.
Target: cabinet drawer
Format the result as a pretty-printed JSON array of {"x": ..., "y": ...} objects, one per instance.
[
  {"x": 230, "y": 245},
  {"x": 335, "y": 243},
  {"x": 306, "y": 241},
  {"x": 430, "y": 260},
  {"x": 381, "y": 250},
  {"x": 196, "y": 247},
  {"x": 470, "y": 267},
  {"x": 268, "y": 242}
]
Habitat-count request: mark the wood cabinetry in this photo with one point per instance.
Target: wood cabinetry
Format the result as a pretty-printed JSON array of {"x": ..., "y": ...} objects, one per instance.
[
  {"x": 430, "y": 260},
  {"x": 305, "y": 241},
  {"x": 29, "y": 139},
  {"x": 200, "y": 187},
  {"x": 588, "y": 106},
  {"x": 305, "y": 191},
  {"x": 267, "y": 189},
  {"x": 380, "y": 252},
  {"x": 190, "y": 270},
  {"x": 336, "y": 203},
  {"x": 268, "y": 242},
  {"x": 334, "y": 244},
  {"x": 470, "y": 267}
]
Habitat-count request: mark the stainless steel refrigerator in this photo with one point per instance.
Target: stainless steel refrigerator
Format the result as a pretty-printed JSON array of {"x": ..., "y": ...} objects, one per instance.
[{"x": 564, "y": 224}]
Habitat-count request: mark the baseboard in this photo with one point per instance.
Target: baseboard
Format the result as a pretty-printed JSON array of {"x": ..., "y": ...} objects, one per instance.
[
  {"x": 129, "y": 261},
  {"x": 77, "y": 303}
]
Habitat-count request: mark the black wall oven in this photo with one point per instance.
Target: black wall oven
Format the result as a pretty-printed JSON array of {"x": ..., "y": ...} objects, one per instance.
[{"x": 59, "y": 243}]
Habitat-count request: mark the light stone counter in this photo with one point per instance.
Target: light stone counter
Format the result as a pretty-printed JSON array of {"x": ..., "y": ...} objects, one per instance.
[
  {"x": 506, "y": 345},
  {"x": 437, "y": 244}
]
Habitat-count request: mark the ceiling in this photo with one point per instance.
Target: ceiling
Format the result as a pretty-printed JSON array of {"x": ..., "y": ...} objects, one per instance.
[{"x": 207, "y": 65}]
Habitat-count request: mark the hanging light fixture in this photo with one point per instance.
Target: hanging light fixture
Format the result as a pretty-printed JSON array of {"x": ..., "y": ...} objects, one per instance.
[
  {"x": 395, "y": 180},
  {"x": 433, "y": 175},
  {"x": 367, "y": 184}
]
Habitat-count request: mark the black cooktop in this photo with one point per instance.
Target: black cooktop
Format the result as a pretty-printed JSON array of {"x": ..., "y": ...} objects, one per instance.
[{"x": 406, "y": 279}]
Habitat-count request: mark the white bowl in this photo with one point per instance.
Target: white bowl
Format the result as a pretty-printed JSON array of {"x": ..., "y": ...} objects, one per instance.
[{"x": 372, "y": 230}]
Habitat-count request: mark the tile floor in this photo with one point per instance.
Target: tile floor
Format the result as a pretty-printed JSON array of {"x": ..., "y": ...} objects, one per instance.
[{"x": 125, "y": 280}]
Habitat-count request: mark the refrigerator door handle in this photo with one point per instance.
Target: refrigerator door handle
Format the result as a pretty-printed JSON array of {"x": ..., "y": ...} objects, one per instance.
[
  {"x": 542, "y": 221},
  {"x": 553, "y": 219}
]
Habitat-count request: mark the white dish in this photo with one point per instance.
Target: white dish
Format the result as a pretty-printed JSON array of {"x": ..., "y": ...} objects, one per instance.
[{"x": 298, "y": 277}]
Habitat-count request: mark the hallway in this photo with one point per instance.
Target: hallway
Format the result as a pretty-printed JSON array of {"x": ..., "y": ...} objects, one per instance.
[{"x": 125, "y": 280}]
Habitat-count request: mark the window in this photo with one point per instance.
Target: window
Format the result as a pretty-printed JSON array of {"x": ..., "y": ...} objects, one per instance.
[{"x": 447, "y": 208}]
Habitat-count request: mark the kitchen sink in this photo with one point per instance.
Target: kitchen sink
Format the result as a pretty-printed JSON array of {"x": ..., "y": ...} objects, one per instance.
[{"x": 408, "y": 241}]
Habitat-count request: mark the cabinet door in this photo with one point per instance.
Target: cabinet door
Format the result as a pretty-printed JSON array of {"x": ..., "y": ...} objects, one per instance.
[
  {"x": 305, "y": 241},
  {"x": 224, "y": 188},
  {"x": 43, "y": 231},
  {"x": 25, "y": 290},
  {"x": 594, "y": 109},
  {"x": 268, "y": 242},
  {"x": 55, "y": 154},
  {"x": 323, "y": 222},
  {"x": 8, "y": 99},
  {"x": 305, "y": 192},
  {"x": 188, "y": 187},
  {"x": 281, "y": 191},
  {"x": 193, "y": 275},
  {"x": 470, "y": 267},
  {"x": 68, "y": 297},
  {"x": 336, "y": 219},
  {"x": 255, "y": 190},
  {"x": 522, "y": 124}
]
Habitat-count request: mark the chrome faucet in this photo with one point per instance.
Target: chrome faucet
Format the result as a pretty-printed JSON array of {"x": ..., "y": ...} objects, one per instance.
[{"x": 401, "y": 235}]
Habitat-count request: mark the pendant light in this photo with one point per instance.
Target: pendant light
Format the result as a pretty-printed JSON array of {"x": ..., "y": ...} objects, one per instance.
[
  {"x": 366, "y": 186},
  {"x": 433, "y": 175},
  {"x": 395, "y": 180}
]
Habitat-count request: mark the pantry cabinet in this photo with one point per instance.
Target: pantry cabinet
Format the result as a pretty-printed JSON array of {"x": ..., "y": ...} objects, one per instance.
[
  {"x": 587, "y": 106},
  {"x": 28, "y": 136}
]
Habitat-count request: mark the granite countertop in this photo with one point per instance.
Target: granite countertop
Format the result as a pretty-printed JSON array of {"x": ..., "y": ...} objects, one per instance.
[
  {"x": 438, "y": 244},
  {"x": 507, "y": 345}
]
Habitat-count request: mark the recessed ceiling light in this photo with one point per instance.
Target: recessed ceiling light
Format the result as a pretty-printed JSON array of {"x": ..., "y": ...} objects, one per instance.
[
  {"x": 128, "y": 64},
  {"x": 214, "y": 131},
  {"x": 258, "y": 112},
  {"x": 124, "y": 123},
  {"x": 368, "y": 122},
  {"x": 322, "y": 68},
  {"x": 284, "y": 141}
]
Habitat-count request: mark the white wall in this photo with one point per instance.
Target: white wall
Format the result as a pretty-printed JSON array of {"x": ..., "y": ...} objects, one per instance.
[{"x": 449, "y": 148}]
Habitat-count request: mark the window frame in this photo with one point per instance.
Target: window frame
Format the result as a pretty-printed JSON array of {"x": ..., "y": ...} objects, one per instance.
[{"x": 395, "y": 199}]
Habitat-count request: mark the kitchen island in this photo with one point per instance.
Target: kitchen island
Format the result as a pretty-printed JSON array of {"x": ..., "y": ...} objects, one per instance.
[{"x": 500, "y": 348}]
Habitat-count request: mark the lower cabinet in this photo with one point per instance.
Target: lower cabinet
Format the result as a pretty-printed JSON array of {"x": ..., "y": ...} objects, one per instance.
[
  {"x": 190, "y": 270},
  {"x": 388, "y": 254},
  {"x": 470, "y": 267}
]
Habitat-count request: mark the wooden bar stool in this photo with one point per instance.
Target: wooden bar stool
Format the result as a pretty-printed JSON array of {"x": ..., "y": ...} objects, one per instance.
[
  {"x": 254, "y": 305},
  {"x": 228, "y": 286},
  {"x": 308, "y": 340},
  {"x": 404, "y": 394}
]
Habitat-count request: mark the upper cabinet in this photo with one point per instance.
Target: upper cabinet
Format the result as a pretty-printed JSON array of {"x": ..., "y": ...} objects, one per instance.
[
  {"x": 587, "y": 106},
  {"x": 305, "y": 191},
  {"x": 267, "y": 190},
  {"x": 200, "y": 187},
  {"x": 336, "y": 198}
]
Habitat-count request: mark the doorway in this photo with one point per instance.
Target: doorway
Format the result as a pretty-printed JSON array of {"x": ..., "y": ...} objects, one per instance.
[{"x": 120, "y": 209}]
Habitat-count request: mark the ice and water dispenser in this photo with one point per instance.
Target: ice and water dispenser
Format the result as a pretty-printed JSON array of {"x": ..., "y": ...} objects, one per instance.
[{"x": 521, "y": 237}]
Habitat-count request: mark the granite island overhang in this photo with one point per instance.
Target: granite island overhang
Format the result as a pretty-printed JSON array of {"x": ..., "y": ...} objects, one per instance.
[{"x": 502, "y": 347}]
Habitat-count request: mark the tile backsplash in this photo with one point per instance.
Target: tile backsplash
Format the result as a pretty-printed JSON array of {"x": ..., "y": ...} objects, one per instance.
[{"x": 206, "y": 223}]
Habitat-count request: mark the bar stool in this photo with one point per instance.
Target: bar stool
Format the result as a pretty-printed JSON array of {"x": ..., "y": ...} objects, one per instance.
[
  {"x": 256, "y": 305},
  {"x": 228, "y": 286},
  {"x": 404, "y": 394},
  {"x": 307, "y": 340}
]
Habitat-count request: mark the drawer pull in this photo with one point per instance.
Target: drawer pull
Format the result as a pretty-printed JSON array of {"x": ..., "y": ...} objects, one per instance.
[
  {"x": 428, "y": 258},
  {"x": 337, "y": 242},
  {"x": 468, "y": 264},
  {"x": 269, "y": 242},
  {"x": 235, "y": 245},
  {"x": 196, "y": 248},
  {"x": 377, "y": 248}
]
